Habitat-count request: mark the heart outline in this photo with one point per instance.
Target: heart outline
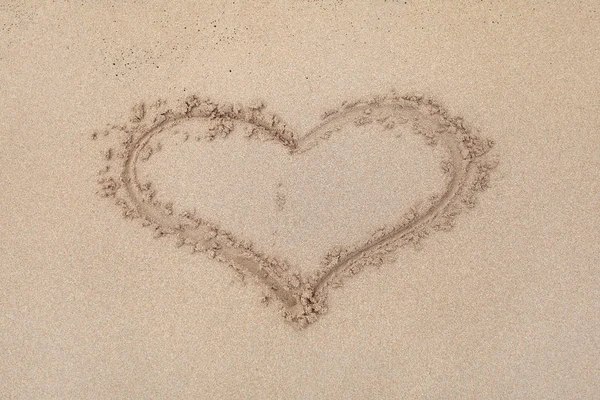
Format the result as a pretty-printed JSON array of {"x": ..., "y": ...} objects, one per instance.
[{"x": 303, "y": 298}]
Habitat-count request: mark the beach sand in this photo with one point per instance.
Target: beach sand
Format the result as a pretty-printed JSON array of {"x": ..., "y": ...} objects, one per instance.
[{"x": 299, "y": 199}]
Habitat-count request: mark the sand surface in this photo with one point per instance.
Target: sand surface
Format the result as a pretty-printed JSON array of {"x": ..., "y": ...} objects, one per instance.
[{"x": 299, "y": 199}]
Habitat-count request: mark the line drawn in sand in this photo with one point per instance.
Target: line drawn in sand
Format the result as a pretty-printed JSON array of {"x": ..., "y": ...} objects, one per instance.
[{"x": 303, "y": 297}]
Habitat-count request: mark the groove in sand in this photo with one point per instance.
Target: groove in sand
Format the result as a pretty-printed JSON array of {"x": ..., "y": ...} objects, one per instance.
[{"x": 303, "y": 298}]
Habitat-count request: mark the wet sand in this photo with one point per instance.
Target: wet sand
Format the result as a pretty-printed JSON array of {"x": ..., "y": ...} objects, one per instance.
[{"x": 413, "y": 189}]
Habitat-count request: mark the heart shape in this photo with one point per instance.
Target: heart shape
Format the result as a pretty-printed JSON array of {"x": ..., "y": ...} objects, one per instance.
[{"x": 303, "y": 297}]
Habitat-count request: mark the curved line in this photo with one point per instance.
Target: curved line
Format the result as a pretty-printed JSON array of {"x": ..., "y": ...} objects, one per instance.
[{"x": 293, "y": 298}]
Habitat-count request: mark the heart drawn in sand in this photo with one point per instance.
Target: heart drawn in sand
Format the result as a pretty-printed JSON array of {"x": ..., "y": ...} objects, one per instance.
[{"x": 302, "y": 296}]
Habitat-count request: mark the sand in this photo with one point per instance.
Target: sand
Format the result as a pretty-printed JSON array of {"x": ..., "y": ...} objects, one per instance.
[
  {"x": 299, "y": 200},
  {"x": 467, "y": 165}
]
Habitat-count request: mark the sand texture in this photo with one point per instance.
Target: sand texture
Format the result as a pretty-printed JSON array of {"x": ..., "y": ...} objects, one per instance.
[
  {"x": 467, "y": 165},
  {"x": 299, "y": 200}
]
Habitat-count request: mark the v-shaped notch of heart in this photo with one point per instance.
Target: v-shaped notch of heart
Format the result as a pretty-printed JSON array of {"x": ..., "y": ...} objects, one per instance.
[{"x": 303, "y": 298}]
